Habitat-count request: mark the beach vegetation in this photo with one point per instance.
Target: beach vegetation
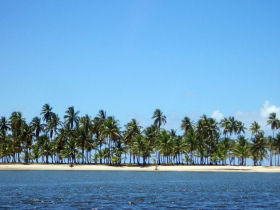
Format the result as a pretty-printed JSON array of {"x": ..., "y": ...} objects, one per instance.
[{"x": 76, "y": 139}]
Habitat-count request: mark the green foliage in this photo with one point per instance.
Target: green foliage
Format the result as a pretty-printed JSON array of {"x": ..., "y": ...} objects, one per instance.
[{"x": 101, "y": 140}]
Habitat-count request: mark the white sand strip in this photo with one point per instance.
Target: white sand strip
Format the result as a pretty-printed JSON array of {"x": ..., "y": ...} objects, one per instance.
[{"x": 266, "y": 169}]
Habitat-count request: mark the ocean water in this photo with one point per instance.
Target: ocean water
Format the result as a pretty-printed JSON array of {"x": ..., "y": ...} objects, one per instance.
[{"x": 138, "y": 190}]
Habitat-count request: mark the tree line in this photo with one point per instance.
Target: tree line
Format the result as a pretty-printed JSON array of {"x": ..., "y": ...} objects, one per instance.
[{"x": 100, "y": 140}]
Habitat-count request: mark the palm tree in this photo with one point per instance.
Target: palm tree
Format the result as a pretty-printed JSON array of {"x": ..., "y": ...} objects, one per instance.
[
  {"x": 255, "y": 128},
  {"x": 202, "y": 135},
  {"x": 132, "y": 130},
  {"x": 97, "y": 130},
  {"x": 61, "y": 140},
  {"x": 173, "y": 137},
  {"x": 151, "y": 136},
  {"x": 191, "y": 142},
  {"x": 102, "y": 115},
  {"x": 277, "y": 147},
  {"x": 4, "y": 125},
  {"x": 221, "y": 154},
  {"x": 4, "y": 128},
  {"x": 147, "y": 149},
  {"x": 70, "y": 151},
  {"x": 86, "y": 123},
  {"x": 258, "y": 148},
  {"x": 208, "y": 132},
  {"x": 71, "y": 117},
  {"x": 240, "y": 128},
  {"x": 273, "y": 122},
  {"x": 139, "y": 147},
  {"x": 213, "y": 137},
  {"x": 232, "y": 124},
  {"x": 225, "y": 125},
  {"x": 159, "y": 118},
  {"x": 186, "y": 125},
  {"x": 53, "y": 124},
  {"x": 84, "y": 135},
  {"x": 165, "y": 145},
  {"x": 16, "y": 122},
  {"x": 111, "y": 131},
  {"x": 26, "y": 137},
  {"x": 37, "y": 126},
  {"x": 45, "y": 145},
  {"x": 242, "y": 149},
  {"x": 178, "y": 148},
  {"x": 35, "y": 153},
  {"x": 46, "y": 112},
  {"x": 271, "y": 148}
]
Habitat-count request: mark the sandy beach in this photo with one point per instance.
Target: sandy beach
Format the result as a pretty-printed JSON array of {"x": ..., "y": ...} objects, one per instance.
[{"x": 66, "y": 167}]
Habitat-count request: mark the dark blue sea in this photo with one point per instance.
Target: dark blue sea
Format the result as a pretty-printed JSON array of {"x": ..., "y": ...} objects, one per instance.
[{"x": 138, "y": 190}]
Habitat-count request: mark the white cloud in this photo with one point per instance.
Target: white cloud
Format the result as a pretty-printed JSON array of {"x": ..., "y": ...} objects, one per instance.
[
  {"x": 249, "y": 117},
  {"x": 259, "y": 116},
  {"x": 217, "y": 115},
  {"x": 267, "y": 109}
]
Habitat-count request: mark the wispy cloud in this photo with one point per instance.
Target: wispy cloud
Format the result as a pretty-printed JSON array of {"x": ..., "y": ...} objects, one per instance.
[
  {"x": 267, "y": 109},
  {"x": 217, "y": 115},
  {"x": 259, "y": 116},
  {"x": 248, "y": 118}
]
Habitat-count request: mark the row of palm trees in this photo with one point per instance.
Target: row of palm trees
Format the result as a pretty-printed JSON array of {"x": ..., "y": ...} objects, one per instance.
[{"x": 84, "y": 140}]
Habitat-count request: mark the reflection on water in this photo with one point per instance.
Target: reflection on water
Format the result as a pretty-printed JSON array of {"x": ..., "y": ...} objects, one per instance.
[{"x": 89, "y": 189}]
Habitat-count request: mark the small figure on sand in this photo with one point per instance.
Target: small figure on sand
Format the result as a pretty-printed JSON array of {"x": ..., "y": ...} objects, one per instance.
[{"x": 155, "y": 163}]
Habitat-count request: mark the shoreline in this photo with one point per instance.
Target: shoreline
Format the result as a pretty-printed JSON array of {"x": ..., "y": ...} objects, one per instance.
[{"x": 182, "y": 168}]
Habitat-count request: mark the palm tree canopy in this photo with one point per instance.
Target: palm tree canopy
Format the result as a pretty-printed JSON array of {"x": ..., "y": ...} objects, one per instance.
[
  {"x": 191, "y": 140},
  {"x": 78, "y": 139},
  {"x": 71, "y": 117},
  {"x": 132, "y": 129},
  {"x": 165, "y": 143},
  {"x": 111, "y": 129},
  {"x": 46, "y": 112},
  {"x": 53, "y": 124},
  {"x": 16, "y": 121},
  {"x": 273, "y": 121},
  {"x": 242, "y": 148},
  {"x": 255, "y": 128},
  {"x": 232, "y": 125},
  {"x": 36, "y": 126},
  {"x": 225, "y": 125},
  {"x": 102, "y": 115},
  {"x": 86, "y": 123},
  {"x": 240, "y": 127},
  {"x": 4, "y": 125},
  {"x": 186, "y": 124},
  {"x": 159, "y": 118}
]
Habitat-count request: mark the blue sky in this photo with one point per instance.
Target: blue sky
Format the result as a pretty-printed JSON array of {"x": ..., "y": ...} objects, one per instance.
[{"x": 187, "y": 58}]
